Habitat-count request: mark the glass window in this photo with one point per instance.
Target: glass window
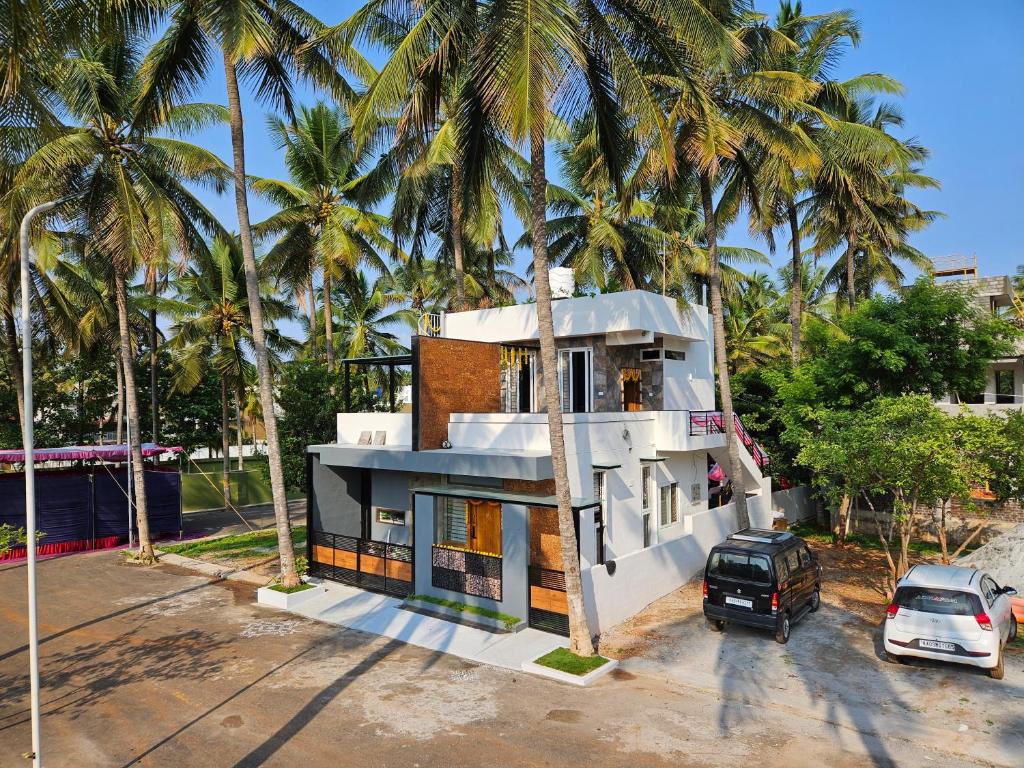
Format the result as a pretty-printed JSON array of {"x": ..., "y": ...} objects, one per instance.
[
  {"x": 1004, "y": 386},
  {"x": 805, "y": 557},
  {"x": 390, "y": 516},
  {"x": 792, "y": 561},
  {"x": 780, "y": 568},
  {"x": 450, "y": 528},
  {"x": 645, "y": 486},
  {"x": 669, "y": 504},
  {"x": 988, "y": 588},
  {"x": 947, "y": 602},
  {"x": 734, "y": 565}
]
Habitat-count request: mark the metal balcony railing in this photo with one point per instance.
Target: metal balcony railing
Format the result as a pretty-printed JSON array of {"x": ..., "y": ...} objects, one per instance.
[{"x": 710, "y": 423}]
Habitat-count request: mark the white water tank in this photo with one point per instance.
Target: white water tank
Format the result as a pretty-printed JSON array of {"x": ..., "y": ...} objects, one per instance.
[{"x": 563, "y": 282}]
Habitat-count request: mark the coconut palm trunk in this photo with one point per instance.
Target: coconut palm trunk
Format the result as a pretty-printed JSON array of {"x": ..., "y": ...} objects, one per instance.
[
  {"x": 132, "y": 402},
  {"x": 14, "y": 363},
  {"x": 154, "y": 402},
  {"x": 289, "y": 576},
  {"x": 851, "y": 282},
  {"x": 580, "y": 640},
  {"x": 313, "y": 324},
  {"x": 225, "y": 443},
  {"x": 457, "y": 249},
  {"x": 239, "y": 434},
  {"x": 795, "y": 299},
  {"x": 721, "y": 356},
  {"x": 119, "y": 379},
  {"x": 328, "y": 322}
]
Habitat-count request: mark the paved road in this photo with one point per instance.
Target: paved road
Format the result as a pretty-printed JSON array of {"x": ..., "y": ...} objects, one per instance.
[
  {"x": 160, "y": 667},
  {"x": 225, "y": 522}
]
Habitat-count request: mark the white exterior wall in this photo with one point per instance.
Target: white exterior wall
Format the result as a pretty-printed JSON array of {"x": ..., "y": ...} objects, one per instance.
[
  {"x": 645, "y": 575},
  {"x": 626, "y": 311},
  {"x": 397, "y": 425}
]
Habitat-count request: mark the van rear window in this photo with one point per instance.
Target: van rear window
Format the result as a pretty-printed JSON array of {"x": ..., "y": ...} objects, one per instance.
[
  {"x": 947, "y": 602},
  {"x": 733, "y": 565}
]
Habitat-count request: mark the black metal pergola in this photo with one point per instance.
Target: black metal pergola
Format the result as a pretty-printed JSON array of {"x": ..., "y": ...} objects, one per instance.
[{"x": 389, "y": 361}]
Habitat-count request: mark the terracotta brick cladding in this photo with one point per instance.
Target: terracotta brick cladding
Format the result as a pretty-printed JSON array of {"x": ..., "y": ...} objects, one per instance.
[{"x": 454, "y": 376}]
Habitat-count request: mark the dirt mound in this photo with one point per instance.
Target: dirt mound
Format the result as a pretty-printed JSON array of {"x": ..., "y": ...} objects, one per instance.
[{"x": 1002, "y": 558}]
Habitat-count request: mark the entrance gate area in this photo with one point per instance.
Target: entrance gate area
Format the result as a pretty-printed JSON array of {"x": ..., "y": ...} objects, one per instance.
[
  {"x": 363, "y": 563},
  {"x": 548, "y": 606}
]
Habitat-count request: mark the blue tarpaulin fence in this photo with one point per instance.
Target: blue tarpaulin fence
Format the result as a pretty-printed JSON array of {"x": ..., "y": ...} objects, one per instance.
[{"x": 83, "y": 509}]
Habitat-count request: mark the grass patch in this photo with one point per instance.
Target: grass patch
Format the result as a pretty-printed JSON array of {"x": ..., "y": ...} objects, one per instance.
[
  {"x": 509, "y": 621},
  {"x": 244, "y": 545},
  {"x": 291, "y": 590},
  {"x": 812, "y": 533},
  {"x": 565, "y": 660}
]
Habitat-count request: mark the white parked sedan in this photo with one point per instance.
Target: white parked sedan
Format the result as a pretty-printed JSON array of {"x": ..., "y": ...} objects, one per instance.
[{"x": 950, "y": 613}]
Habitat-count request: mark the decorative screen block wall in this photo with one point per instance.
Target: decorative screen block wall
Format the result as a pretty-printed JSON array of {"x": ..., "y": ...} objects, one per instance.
[{"x": 470, "y": 573}]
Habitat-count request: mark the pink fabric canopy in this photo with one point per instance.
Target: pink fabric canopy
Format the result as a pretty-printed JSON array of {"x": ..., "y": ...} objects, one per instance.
[{"x": 85, "y": 452}]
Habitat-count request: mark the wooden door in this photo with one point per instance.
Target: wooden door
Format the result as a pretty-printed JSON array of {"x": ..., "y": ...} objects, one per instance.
[{"x": 484, "y": 519}]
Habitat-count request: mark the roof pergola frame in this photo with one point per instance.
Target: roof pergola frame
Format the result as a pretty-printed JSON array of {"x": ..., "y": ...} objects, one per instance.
[{"x": 389, "y": 361}]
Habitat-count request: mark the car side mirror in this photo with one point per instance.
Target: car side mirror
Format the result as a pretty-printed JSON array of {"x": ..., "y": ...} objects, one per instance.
[{"x": 1008, "y": 591}]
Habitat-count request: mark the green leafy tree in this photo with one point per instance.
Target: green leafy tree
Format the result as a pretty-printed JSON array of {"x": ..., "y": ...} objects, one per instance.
[
  {"x": 903, "y": 448},
  {"x": 134, "y": 180},
  {"x": 310, "y": 404},
  {"x": 265, "y": 42},
  {"x": 323, "y": 226}
]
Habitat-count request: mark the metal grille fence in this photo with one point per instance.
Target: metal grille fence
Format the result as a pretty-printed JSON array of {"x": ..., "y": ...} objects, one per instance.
[
  {"x": 363, "y": 563},
  {"x": 556, "y": 621}
]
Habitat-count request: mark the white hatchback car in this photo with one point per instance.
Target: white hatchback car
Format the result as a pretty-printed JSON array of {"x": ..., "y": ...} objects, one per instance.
[{"x": 950, "y": 613}]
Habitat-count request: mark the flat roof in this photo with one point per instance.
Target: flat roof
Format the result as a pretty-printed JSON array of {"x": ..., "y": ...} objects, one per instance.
[
  {"x": 496, "y": 494},
  {"x": 476, "y": 462}
]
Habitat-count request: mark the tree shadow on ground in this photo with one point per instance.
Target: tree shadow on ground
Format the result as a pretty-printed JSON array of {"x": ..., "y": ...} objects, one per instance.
[{"x": 94, "y": 670}]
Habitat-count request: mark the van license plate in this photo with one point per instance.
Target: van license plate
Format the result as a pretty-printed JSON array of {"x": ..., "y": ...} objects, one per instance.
[
  {"x": 935, "y": 644},
  {"x": 739, "y": 601}
]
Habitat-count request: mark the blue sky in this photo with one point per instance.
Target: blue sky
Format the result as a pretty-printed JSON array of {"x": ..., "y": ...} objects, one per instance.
[{"x": 962, "y": 66}]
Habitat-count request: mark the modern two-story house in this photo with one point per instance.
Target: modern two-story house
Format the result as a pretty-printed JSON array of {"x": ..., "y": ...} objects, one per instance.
[{"x": 454, "y": 497}]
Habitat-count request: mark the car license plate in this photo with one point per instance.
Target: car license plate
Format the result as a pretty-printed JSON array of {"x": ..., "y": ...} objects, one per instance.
[
  {"x": 936, "y": 645},
  {"x": 739, "y": 601}
]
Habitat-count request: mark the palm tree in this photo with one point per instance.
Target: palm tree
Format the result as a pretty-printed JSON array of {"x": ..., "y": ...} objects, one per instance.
[
  {"x": 818, "y": 44},
  {"x": 858, "y": 194},
  {"x": 211, "y": 330},
  {"x": 323, "y": 222},
  {"x": 722, "y": 116},
  {"x": 755, "y": 329},
  {"x": 265, "y": 41},
  {"x": 132, "y": 184},
  {"x": 542, "y": 57}
]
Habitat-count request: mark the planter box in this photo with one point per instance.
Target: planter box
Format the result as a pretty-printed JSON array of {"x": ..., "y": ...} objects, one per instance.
[
  {"x": 461, "y": 617},
  {"x": 566, "y": 677},
  {"x": 285, "y": 601}
]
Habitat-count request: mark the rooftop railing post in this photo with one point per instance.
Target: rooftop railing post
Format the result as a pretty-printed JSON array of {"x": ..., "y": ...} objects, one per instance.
[
  {"x": 348, "y": 388},
  {"x": 391, "y": 386}
]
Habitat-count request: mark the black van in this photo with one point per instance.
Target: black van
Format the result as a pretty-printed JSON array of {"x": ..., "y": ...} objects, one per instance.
[{"x": 765, "y": 579}]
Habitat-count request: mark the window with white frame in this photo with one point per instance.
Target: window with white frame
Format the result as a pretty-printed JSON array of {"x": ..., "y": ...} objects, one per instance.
[
  {"x": 600, "y": 515},
  {"x": 575, "y": 379},
  {"x": 669, "y": 504},
  {"x": 645, "y": 487},
  {"x": 645, "y": 502},
  {"x": 390, "y": 516}
]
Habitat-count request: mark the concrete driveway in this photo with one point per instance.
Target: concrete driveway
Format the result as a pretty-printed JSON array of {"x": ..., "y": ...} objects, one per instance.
[
  {"x": 832, "y": 669},
  {"x": 161, "y": 667}
]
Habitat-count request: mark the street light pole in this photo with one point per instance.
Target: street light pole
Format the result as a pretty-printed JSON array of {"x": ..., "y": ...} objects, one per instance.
[{"x": 30, "y": 479}]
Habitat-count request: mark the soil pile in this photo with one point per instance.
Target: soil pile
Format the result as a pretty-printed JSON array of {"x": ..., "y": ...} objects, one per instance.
[{"x": 1002, "y": 558}]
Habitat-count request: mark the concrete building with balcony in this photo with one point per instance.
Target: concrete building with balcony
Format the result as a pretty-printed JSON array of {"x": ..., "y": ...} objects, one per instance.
[
  {"x": 454, "y": 496},
  {"x": 1004, "y": 379}
]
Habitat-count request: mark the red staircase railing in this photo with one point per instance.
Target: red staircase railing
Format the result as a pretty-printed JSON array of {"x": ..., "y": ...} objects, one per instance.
[{"x": 710, "y": 423}]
